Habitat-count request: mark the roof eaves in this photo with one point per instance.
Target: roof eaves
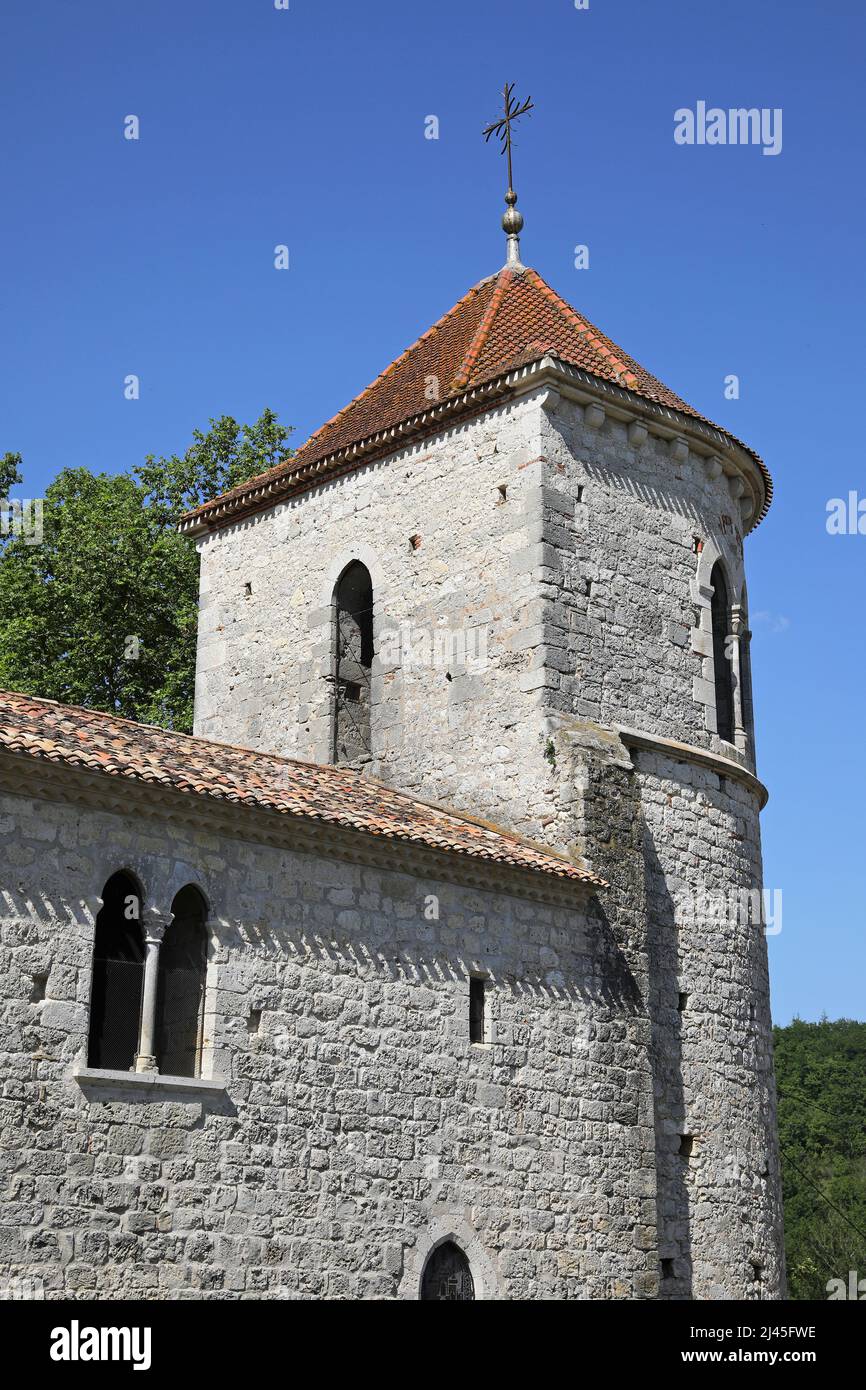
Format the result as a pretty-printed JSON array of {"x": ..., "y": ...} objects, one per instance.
[
  {"x": 288, "y": 468},
  {"x": 435, "y": 837},
  {"x": 687, "y": 420},
  {"x": 225, "y": 510}
]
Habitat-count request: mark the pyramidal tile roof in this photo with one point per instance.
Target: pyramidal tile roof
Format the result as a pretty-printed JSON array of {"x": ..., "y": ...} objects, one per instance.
[
  {"x": 504, "y": 322},
  {"x": 98, "y": 742}
]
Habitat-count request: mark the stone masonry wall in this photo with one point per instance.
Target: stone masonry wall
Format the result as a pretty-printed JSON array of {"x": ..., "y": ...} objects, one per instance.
[
  {"x": 630, "y": 538},
  {"x": 627, "y": 627},
  {"x": 560, "y": 563},
  {"x": 449, "y": 531},
  {"x": 358, "y": 1123},
  {"x": 720, "y": 1218},
  {"x": 590, "y": 580}
]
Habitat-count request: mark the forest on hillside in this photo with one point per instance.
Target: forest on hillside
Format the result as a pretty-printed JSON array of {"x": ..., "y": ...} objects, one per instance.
[{"x": 821, "y": 1078}]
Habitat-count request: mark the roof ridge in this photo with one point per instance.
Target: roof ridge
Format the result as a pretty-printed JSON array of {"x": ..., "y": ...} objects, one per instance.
[
  {"x": 428, "y": 333},
  {"x": 502, "y": 323},
  {"x": 482, "y": 333},
  {"x": 156, "y": 728},
  {"x": 592, "y": 336}
]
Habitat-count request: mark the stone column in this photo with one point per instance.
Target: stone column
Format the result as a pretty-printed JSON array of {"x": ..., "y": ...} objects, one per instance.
[
  {"x": 748, "y": 695},
  {"x": 734, "y": 639},
  {"x": 145, "y": 1058}
]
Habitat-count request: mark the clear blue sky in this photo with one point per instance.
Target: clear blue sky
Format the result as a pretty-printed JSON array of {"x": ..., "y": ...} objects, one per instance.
[{"x": 306, "y": 127}]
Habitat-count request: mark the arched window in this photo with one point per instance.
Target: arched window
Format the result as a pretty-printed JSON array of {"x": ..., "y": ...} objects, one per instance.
[
  {"x": 722, "y": 668},
  {"x": 180, "y": 987},
  {"x": 118, "y": 972},
  {"x": 447, "y": 1275},
  {"x": 353, "y": 660}
]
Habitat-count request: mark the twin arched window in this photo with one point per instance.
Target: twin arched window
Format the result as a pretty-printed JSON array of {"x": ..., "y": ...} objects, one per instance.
[
  {"x": 353, "y": 662},
  {"x": 121, "y": 1036}
]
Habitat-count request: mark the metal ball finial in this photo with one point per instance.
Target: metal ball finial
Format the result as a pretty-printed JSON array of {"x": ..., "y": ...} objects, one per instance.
[
  {"x": 512, "y": 220},
  {"x": 512, "y": 225}
]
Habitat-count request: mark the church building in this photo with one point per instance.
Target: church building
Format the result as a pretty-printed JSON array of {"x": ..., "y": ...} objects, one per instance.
[{"x": 396, "y": 980}]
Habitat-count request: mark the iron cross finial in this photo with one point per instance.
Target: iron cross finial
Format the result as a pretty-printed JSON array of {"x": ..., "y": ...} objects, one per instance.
[{"x": 512, "y": 220}]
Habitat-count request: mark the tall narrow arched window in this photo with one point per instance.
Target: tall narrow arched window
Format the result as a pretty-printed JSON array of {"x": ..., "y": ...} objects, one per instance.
[
  {"x": 447, "y": 1276},
  {"x": 722, "y": 668},
  {"x": 353, "y": 661},
  {"x": 180, "y": 987},
  {"x": 118, "y": 973}
]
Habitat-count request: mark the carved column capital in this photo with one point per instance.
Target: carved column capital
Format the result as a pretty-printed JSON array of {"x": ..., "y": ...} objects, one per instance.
[{"x": 154, "y": 926}]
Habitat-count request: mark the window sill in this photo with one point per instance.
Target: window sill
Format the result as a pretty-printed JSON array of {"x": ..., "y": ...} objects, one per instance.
[{"x": 147, "y": 1081}]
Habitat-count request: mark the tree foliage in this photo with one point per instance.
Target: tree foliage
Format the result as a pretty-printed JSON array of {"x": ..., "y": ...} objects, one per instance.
[
  {"x": 821, "y": 1076},
  {"x": 10, "y": 472},
  {"x": 102, "y": 612}
]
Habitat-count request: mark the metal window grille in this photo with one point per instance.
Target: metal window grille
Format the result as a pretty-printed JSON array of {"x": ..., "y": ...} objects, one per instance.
[
  {"x": 476, "y": 1009},
  {"x": 447, "y": 1276},
  {"x": 179, "y": 1020},
  {"x": 115, "y": 1013}
]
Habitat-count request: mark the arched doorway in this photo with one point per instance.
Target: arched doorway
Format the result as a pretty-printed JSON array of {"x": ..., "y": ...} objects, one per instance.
[{"x": 447, "y": 1276}]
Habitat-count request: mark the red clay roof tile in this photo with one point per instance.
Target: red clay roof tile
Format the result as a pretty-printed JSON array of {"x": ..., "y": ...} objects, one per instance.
[
  {"x": 503, "y": 322},
  {"x": 43, "y": 729}
]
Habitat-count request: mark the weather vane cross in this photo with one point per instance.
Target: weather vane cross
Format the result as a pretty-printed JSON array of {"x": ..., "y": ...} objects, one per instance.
[{"x": 512, "y": 220}]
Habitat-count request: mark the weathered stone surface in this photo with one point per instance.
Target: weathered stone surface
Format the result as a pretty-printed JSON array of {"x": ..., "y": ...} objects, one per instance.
[
  {"x": 622, "y": 1111},
  {"x": 356, "y": 1110}
]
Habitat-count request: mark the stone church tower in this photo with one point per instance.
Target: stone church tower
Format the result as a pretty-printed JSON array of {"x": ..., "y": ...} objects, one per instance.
[
  {"x": 433, "y": 964},
  {"x": 509, "y": 577}
]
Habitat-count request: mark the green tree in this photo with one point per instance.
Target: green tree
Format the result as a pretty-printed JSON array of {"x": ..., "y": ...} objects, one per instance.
[
  {"x": 10, "y": 472},
  {"x": 102, "y": 612},
  {"x": 821, "y": 1076},
  {"x": 217, "y": 460}
]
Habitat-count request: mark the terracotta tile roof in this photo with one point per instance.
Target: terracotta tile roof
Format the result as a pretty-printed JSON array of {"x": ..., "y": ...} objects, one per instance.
[
  {"x": 504, "y": 322},
  {"x": 116, "y": 747}
]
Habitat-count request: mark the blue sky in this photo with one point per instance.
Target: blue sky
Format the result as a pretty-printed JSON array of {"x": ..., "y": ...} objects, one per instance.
[{"x": 306, "y": 127}]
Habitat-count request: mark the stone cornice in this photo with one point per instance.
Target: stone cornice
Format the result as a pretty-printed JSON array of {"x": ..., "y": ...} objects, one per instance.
[
  {"x": 687, "y": 752},
  {"x": 270, "y": 492},
  {"x": 25, "y": 776},
  {"x": 720, "y": 452},
  {"x": 620, "y": 402}
]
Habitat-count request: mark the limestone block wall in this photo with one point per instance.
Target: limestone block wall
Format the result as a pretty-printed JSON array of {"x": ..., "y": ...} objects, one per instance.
[
  {"x": 720, "y": 1215},
  {"x": 590, "y": 581},
  {"x": 631, "y": 534},
  {"x": 527, "y": 564},
  {"x": 358, "y": 1124},
  {"x": 679, "y": 846},
  {"x": 450, "y": 532}
]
